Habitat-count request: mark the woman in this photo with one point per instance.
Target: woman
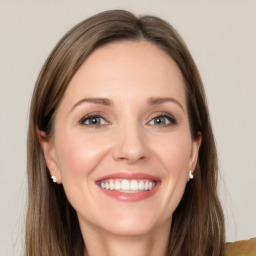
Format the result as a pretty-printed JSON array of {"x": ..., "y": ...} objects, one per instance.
[{"x": 121, "y": 154}]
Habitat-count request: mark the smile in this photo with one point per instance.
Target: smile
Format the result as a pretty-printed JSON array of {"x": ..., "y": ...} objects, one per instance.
[{"x": 129, "y": 186}]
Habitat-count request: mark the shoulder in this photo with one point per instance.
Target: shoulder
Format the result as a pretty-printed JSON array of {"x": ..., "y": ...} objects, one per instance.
[{"x": 241, "y": 248}]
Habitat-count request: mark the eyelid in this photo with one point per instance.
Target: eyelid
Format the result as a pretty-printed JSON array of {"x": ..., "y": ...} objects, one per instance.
[
  {"x": 169, "y": 116},
  {"x": 93, "y": 115}
]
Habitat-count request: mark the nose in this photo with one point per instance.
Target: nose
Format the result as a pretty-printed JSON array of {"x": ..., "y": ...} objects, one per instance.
[{"x": 130, "y": 145}]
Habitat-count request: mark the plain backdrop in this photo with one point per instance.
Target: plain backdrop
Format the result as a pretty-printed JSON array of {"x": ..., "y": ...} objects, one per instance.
[{"x": 221, "y": 36}]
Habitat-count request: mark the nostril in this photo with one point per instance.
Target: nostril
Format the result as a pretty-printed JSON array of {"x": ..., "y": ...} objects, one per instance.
[
  {"x": 130, "y": 154},
  {"x": 131, "y": 145}
]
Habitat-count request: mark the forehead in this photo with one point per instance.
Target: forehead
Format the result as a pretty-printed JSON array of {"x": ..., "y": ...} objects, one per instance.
[{"x": 127, "y": 69}]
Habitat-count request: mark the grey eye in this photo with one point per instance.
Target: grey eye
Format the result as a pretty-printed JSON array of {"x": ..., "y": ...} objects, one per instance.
[
  {"x": 159, "y": 121},
  {"x": 163, "y": 120},
  {"x": 93, "y": 121}
]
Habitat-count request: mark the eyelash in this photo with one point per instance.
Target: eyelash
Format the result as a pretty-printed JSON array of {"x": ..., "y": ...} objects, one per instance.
[
  {"x": 171, "y": 119},
  {"x": 92, "y": 116},
  {"x": 168, "y": 116}
]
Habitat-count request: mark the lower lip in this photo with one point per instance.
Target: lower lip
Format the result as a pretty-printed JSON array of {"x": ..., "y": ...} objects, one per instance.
[{"x": 131, "y": 197}]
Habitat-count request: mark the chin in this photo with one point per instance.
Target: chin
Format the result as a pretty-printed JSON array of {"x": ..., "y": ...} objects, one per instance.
[
  {"x": 130, "y": 223},
  {"x": 131, "y": 228}
]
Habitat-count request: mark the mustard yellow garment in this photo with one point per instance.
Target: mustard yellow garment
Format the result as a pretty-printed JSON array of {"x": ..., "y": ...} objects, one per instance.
[{"x": 241, "y": 248}]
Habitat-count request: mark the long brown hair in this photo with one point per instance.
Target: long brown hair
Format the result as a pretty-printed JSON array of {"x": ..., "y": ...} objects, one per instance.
[{"x": 52, "y": 226}]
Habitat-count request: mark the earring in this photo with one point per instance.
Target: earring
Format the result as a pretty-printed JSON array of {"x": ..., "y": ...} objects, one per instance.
[
  {"x": 54, "y": 179},
  {"x": 191, "y": 176}
]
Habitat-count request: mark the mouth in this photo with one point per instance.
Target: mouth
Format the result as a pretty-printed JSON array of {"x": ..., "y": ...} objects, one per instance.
[{"x": 129, "y": 186}]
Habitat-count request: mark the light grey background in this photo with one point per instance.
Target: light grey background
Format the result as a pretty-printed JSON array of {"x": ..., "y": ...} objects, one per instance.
[{"x": 221, "y": 36}]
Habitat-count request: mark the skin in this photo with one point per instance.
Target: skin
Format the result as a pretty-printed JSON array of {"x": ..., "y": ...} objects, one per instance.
[{"x": 126, "y": 139}]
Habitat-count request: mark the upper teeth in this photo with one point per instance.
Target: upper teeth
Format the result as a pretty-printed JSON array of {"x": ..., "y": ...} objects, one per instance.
[{"x": 127, "y": 185}]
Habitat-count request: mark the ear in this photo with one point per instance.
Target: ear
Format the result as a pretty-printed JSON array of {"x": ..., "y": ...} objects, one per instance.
[
  {"x": 49, "y": 155},
  {"x": 195, "y": 151}
]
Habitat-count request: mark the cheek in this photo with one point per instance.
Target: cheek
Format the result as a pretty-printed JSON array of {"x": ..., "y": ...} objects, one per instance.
[
  {"x": 174, "y": 153},
  {"x": 78, "y": 156}
]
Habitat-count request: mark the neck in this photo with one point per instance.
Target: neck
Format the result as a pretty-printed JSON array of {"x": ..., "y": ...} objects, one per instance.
[{"x": 106, "y": 244}]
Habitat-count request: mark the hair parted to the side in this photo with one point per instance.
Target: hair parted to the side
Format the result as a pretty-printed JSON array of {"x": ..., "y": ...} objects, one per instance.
[{"x": 52, "y": 226}]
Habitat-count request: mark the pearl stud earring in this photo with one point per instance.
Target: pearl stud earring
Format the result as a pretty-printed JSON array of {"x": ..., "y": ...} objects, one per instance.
[
  {"x": 191, "y": 176},
  {"x": 54, "y": 179}
]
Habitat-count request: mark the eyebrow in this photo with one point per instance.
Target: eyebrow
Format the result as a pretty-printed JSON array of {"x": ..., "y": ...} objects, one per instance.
[
  {"x": 108, "y": 102},
  {"x": 100, "y": 101},
  {"x": 160, "y": 100}
]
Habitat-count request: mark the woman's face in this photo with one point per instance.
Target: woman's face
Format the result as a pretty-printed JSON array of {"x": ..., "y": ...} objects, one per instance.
[{"x": 122, "y": 146}]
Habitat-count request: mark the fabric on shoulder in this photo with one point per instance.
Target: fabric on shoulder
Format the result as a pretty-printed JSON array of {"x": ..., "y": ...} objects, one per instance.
[{"x": 241, "y": 248}]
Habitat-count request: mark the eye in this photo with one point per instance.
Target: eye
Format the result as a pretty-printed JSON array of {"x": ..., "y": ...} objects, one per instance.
[
  {"x": 163, "y": 120},
  {"x": 93, "y": 120}
]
